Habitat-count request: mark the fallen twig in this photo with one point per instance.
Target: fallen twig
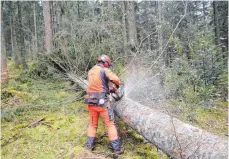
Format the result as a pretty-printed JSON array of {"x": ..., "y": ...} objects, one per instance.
[{"x": 34, "y": 124}]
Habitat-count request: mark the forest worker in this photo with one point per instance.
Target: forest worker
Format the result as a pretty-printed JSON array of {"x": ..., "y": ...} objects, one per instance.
[{"x": 97, "y": 100}]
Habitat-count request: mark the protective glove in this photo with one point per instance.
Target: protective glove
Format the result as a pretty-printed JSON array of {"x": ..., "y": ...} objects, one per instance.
[{"x": 113, "y": 89}]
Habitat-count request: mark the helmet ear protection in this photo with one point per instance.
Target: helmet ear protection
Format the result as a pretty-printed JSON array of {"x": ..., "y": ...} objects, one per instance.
[
  {"x": 105, "y": 59},
  {"x": 106, "y": 64}
]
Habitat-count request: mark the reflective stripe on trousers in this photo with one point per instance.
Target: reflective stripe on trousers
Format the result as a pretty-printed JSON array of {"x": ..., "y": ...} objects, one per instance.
[{"x": 94, "y": 113}]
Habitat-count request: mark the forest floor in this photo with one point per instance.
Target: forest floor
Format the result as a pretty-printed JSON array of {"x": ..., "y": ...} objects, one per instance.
[{"x": 41, "y": 119}]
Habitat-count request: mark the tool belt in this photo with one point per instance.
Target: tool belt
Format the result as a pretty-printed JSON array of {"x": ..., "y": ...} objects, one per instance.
[
  {"x": 96, "y": 99},
  {"x": 100, "y": 99}
]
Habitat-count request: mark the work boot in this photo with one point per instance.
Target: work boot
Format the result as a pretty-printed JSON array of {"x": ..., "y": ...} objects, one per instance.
[
  {"x": 89, "y": 145},
  {"x": 116, "y": 146}
]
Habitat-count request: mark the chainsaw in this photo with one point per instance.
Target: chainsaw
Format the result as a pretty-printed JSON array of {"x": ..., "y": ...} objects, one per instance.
[{"x": 117, "y": 93}]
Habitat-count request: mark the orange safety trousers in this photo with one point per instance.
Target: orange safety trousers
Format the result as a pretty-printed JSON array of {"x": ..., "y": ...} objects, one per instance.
[{"x": 94, "y": 113}]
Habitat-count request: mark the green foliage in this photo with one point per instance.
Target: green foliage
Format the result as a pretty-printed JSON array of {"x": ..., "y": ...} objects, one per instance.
[
  {"x": 222, "y": 104},
  {"x": 207, "y": 58},
  {"x": 79, "y": 48},
  {"x": 191, "y": 95},
  {"x": 207, "y": 92},
  {"x": 196, "y": 81},
  {"x": 222, "y": 85},
  {"x": 178, "y": 45},
  {"x": 37, "y": 69},
  {"x": 118, "y": 66},
  {"x": 179, "y": 77}
]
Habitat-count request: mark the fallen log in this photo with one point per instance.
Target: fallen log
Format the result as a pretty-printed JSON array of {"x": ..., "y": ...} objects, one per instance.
[{"x": 172, "y": 136}]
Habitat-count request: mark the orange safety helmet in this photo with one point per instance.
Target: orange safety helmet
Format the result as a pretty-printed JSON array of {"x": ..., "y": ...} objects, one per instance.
[{"x": 105, "y": 59}]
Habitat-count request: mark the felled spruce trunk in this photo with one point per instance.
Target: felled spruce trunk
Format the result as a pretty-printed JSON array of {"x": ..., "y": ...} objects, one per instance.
[{"x": 174, "y": 137}]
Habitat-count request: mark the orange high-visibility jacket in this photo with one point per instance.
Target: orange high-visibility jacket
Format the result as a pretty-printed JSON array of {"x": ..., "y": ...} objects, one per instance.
[{"x": 99, "y": 78}]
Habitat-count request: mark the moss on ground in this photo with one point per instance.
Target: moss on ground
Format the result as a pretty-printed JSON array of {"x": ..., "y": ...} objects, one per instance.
[
  {"x": 214, "y": 119},
  {"x": 62, "y": 131}
]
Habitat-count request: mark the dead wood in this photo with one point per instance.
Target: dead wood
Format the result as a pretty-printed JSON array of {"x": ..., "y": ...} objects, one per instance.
[
  {"x": 36, "y": 123},
  {"x": 174, "y": 137}
]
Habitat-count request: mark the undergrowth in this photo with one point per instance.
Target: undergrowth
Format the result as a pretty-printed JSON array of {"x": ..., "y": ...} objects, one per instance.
[
  {"x": 43, "y": 119},
  {"x": 213, "y": 119},
  {"x": 195, "y": 98}
]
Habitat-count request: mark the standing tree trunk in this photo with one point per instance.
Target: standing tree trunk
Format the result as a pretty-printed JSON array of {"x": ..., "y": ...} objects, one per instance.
[
  {"x": 48, "y": 30},
  {"x": 21, "y": 38},
  {"x": 216, "y": 23},
  {"x": 124, "y": 28},
  {"x": 35, "y": 27},
  {"x": 14, "y": 39},
  {"x": 78, "y": 9},
  {"x": 132, "y": 31},
  {"x": 12, "y": 34},
  {"x": 13, "y": 42},
  {"x": 160, "y": 40},
  {"x": 110, "y": 10},
  {"x": 55, "y": 10},
  {"x": 4, "y": 75},
  {"x": 148, "y": 25},
  {"x": 160, "y": 35}
]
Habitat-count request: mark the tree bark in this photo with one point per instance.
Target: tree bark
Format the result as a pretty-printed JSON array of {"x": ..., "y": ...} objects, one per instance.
[
  {"x": 48, "y": 30},
  {"x": 132, "y": 31},
  {"x": 160, "y": 39},
  {"x": 78, "y": 9},
  {"x": 172, "y": 136},
  {"x": 15, "y": 53},
  {"x": 148, "y": 25},
  {"x": 13, "y": 36},
  {"x": 124, "y": 28},
  {"x": 110, "y": 10},
  {"x": 4, "y": 75},
  {"x": 216, "y": 23},
  {"x": 21, "y": 38},
  {"x": 35, "y": 27}
]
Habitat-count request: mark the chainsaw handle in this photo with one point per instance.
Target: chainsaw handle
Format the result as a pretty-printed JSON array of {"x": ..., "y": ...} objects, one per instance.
[
  {"x": 112, "y": 90},
  {"x": 117, "y": 86},
  {"x": 114, "y": 84}
]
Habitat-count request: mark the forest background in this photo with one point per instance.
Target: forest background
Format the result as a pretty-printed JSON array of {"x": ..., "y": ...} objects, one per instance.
[{"x": 171, "y": 55}]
